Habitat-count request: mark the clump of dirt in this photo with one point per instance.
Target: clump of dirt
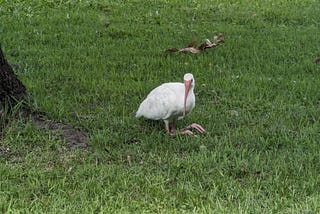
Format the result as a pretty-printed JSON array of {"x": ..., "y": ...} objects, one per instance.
[{"x": 12, "y": 91}]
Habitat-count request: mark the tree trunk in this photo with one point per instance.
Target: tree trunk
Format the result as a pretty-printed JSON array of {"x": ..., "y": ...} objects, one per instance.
[{"x": 11, "y": 88}]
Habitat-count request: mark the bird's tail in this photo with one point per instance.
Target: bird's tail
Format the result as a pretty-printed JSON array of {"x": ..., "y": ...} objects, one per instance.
[{"x": 138, "y": 114}]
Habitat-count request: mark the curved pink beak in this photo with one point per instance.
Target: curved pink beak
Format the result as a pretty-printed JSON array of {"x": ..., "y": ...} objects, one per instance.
[{"x": 187, "y": 85}]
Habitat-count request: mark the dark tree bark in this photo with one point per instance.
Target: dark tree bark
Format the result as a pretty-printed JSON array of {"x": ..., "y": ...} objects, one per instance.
[{"x": 11, "y": 88}]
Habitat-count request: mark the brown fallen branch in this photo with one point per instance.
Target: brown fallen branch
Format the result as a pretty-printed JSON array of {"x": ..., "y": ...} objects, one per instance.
[
  {"x": 13, "y": 100},
  {"x": 191, "y": 48}
]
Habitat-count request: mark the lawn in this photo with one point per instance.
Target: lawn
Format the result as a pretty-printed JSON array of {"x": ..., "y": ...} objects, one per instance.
[{"x": 257, "y": 95}]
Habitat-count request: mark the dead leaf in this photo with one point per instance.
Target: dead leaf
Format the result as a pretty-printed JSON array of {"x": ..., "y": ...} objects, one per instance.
[
  {"x": 172, "y": 50},
  {"x": 202, "y": 46},
  {"x": 191, "y": 48},
  {"x": 191, "y": 44}
]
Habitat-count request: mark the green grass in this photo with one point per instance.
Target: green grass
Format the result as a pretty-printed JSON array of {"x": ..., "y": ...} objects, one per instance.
[{"x": 265, "y": 159}]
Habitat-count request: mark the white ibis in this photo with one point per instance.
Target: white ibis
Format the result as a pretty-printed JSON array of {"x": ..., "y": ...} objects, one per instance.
[{"x": 171, "y": 102}]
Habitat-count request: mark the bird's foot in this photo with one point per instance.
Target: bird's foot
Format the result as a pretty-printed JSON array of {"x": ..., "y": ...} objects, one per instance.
[
  {"x": 195, "y": 126},
  {"x": 186, "y": 131},
  {"x": 172, "y": 133}
]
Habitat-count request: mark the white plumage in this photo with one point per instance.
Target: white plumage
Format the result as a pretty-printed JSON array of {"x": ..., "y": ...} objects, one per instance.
[{"x": 169, "y": 102}]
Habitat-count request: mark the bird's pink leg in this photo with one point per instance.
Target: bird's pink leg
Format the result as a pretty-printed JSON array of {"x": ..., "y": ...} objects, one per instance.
[
  {"x": 170, "y": 130},
  {"x": 173, "y": 126},
  {"x": 167, "y": 126}
]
